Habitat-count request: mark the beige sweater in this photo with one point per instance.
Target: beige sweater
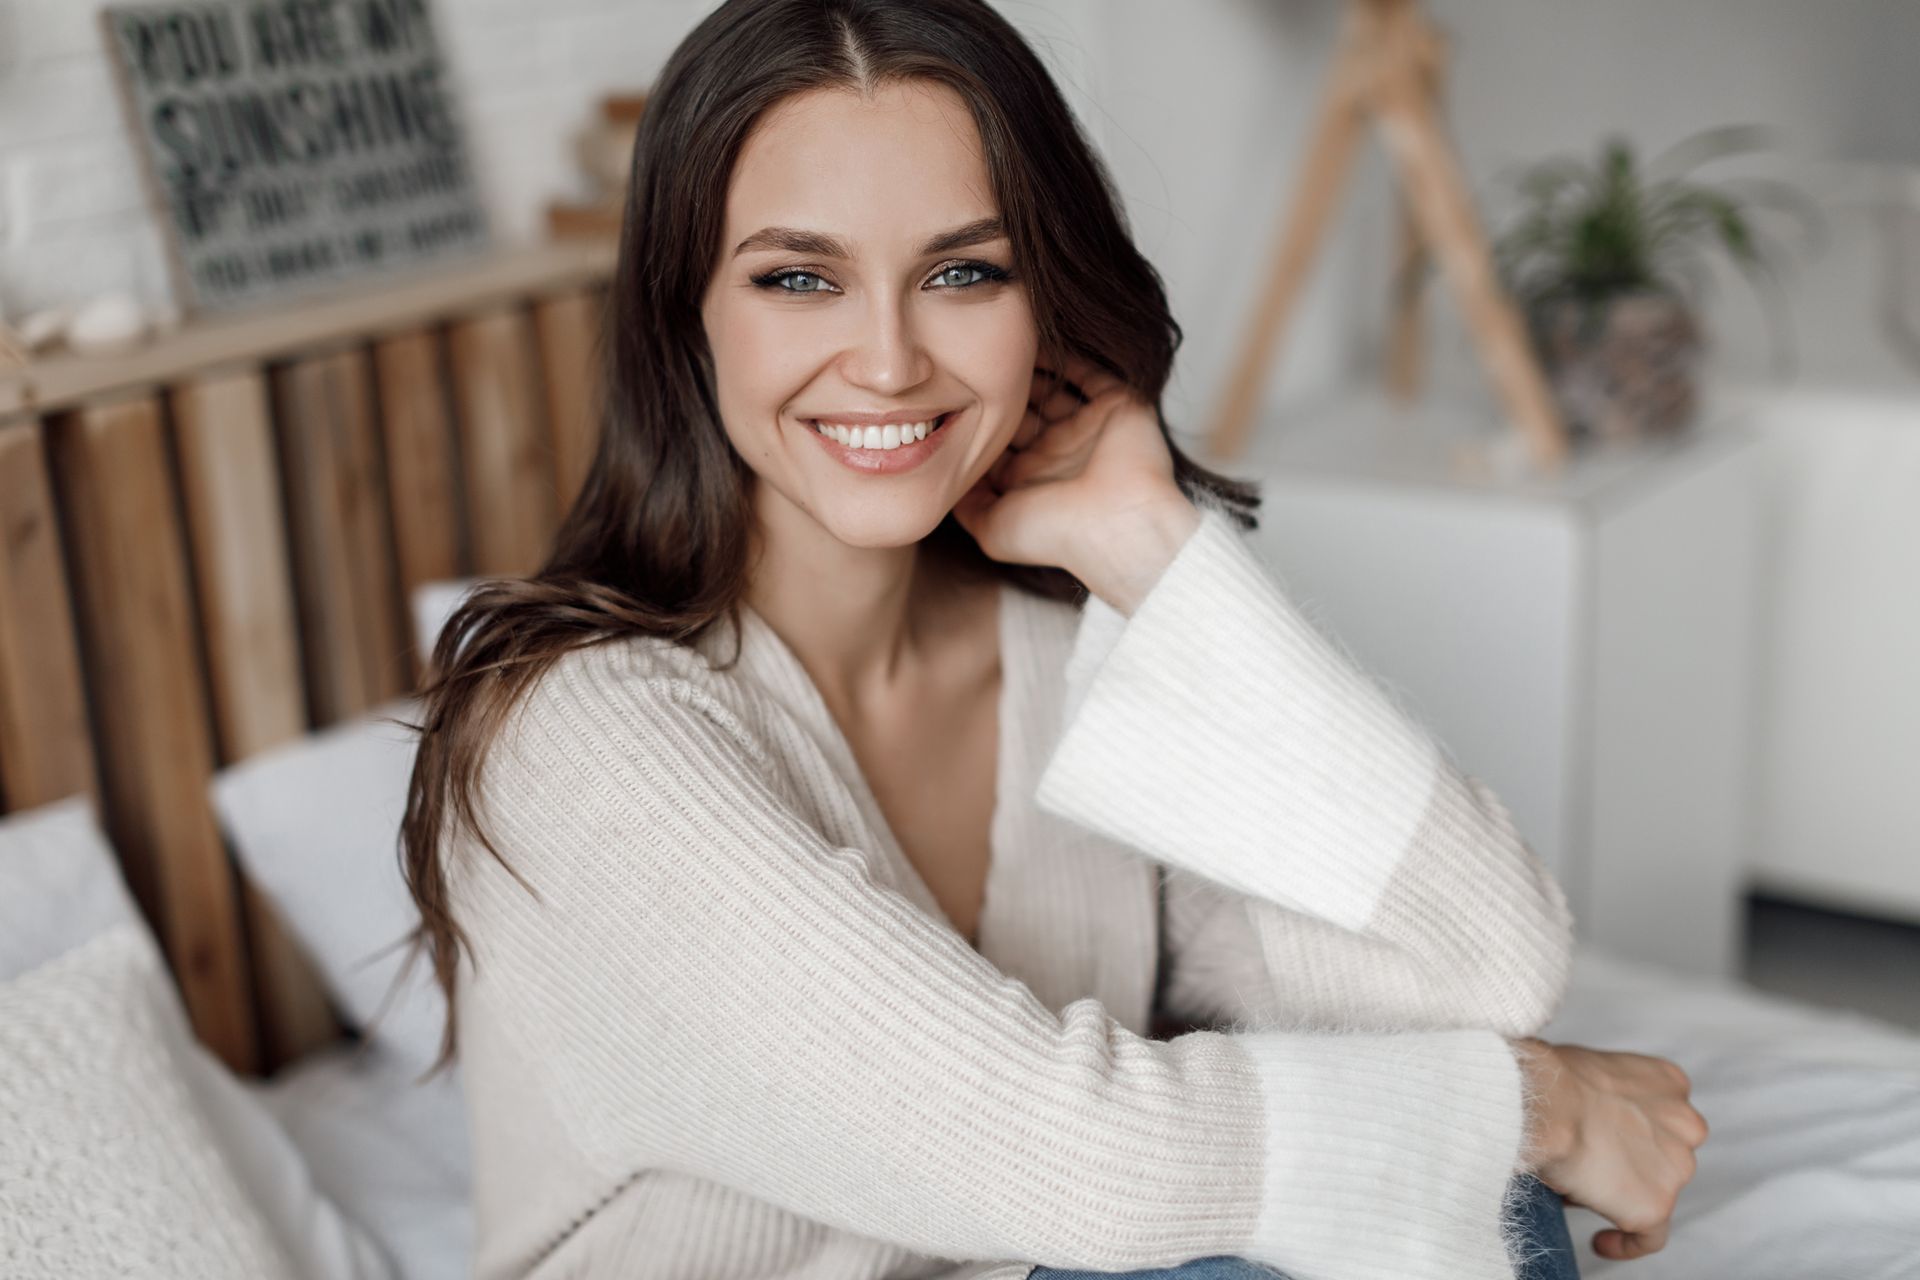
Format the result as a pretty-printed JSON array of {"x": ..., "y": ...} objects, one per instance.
[{"x": 735, "y": 1035}]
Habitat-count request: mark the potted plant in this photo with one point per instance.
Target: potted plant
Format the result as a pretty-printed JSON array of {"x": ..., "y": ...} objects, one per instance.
[{"x": 1603, "y": 259}]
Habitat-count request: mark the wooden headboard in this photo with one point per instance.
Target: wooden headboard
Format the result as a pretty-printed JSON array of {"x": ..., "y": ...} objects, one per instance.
[{"x": 210, "y": 543}]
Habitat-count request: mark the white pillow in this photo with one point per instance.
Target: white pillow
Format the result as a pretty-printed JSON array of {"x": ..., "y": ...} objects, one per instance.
[
  {"x": 315, "y": 823},
  {"x": 61, "y": 888},
  {"x": 433, "y": 603},
  {"x": 59, "y": 884},
  {"x": 109, "y": 1166},
  {"x": 393, "y": 1153}
]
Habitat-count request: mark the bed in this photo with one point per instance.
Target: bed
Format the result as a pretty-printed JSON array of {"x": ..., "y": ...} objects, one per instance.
[{"x": 225, "y": 555}]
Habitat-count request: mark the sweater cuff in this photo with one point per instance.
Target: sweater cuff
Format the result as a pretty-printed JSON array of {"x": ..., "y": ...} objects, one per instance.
[
  {"x": 1388, "y": 1155},
  {"x": 1217, "y": 729}
]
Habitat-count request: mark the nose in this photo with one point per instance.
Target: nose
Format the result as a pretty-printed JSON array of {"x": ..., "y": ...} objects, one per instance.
[{"x": 885, "y": 356}]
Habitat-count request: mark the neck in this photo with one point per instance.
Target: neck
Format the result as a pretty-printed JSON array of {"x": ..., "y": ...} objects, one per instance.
[{"x": 861, "y": 620}]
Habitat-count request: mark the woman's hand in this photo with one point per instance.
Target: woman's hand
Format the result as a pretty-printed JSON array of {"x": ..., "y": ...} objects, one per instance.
[
  {"x": 1086, "y": 484},
  {"x": 1617, "y": 1136}
]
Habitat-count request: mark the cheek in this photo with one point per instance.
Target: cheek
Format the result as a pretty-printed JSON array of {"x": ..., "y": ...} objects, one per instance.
[
  {"x": 992, "y": 350},
  {"x": 760, "y": 360}
]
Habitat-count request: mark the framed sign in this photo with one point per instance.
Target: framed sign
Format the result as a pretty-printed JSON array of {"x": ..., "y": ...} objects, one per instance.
[{"x": 294, "y": 144}]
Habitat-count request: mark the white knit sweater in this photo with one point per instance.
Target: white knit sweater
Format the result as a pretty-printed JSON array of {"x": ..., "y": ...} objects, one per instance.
[{"x": 735, "y": 1036}]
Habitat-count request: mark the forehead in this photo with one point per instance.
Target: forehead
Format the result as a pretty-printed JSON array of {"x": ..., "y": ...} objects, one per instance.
[{"x": 880, "y": 172}]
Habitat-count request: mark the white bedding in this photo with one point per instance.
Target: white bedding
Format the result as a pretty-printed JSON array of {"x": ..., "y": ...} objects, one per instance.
[
  {"x": 392, "y": 1154},
  {"x": 1812, "y": 1168}
]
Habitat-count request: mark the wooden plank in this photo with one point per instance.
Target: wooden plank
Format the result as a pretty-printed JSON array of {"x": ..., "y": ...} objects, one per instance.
[
  {"x": 568, "y": 329},
  {"x": 46, "y": 751},
  {"x": 352, "y": 640},
  {"x": 230, "y": 482},
  {"x": 142, "y": 662},
  {"x": 230, "y": 487},
  {"x": 358, "y": 310},
  {"x": 505, "y": 445},
  {"x": 416, "y": 424},
  {"x": 1406, "y": 340}
]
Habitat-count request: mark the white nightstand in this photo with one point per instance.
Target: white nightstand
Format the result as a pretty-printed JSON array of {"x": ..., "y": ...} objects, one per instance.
[{"x": 1585, "y": 644}]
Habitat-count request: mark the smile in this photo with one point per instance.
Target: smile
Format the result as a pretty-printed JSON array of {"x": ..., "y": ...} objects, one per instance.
[
  {"x": 889, "y": 450},
  {"x": 891, "y": 436}
]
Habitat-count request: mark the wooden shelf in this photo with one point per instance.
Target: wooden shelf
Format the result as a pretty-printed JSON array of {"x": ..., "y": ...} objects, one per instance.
[{"x": 312, "y": 321}]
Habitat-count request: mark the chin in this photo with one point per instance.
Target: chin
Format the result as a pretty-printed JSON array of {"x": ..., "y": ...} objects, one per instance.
[{"x": 893, "y": 529}]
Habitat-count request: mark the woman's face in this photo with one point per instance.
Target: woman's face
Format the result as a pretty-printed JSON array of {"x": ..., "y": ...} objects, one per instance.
[{"x": 863, "y": 276}]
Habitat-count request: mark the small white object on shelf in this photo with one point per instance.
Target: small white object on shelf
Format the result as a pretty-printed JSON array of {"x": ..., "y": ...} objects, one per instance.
[
  {"x": 1582, "y": 641},
  {"x": 111, "y": 322}
]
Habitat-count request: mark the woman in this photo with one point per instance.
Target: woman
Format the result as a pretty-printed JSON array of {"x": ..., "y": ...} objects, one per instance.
[{"x": 827, "y": 821}]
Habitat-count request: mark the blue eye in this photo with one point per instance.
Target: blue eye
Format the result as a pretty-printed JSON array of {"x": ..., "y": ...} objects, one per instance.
[
  {"x": 778, "y": 279},
  {"x": 962, "y": 267},
  {"x": 989, "y": 273},
  {"x": 986, "y": 272}
]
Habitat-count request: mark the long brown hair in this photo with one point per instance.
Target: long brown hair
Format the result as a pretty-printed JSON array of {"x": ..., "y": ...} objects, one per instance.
[{"x": 656, "y": 542}]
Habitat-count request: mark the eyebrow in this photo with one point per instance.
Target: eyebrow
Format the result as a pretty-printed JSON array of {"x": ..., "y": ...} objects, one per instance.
[{"x": 819, "y": 244}]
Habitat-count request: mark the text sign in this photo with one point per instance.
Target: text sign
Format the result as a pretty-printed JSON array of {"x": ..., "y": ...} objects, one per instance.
[{"x": 296, "y": 142}]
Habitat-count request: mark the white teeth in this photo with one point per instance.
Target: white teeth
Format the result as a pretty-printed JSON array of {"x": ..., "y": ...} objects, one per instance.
[{"x": 890, "y": 436}]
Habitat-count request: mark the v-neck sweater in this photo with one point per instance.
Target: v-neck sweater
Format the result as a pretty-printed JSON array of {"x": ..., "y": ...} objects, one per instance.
[{"x": 715, "y": 1024}]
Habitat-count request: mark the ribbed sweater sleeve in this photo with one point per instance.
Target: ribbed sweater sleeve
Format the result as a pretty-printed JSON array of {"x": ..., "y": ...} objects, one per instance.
[
  {"x": 1219, "y": 731},
  {"x": 702, "y": 982},
  {"x": 1327, "y": 865}
]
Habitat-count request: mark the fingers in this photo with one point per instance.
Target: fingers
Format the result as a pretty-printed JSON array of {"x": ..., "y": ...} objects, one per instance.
[
  {"x": 1045, "y": 383},
  {"x": 1089, "y": 377},
  {"x": 1051, "y": 400},
  {"x": 1057, "y": 396},
  {"x": 1622, "y": 1245},
  {"x": 1076, "y": 381},
  {"x": 1691, "y": 1125}
]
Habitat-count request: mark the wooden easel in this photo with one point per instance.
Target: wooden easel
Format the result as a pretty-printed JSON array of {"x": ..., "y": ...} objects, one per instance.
[{"x": 1389, "y": 65}]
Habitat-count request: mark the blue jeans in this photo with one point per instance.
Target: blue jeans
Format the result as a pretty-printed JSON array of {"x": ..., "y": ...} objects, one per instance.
[{"x": 1544, "y": 1215}]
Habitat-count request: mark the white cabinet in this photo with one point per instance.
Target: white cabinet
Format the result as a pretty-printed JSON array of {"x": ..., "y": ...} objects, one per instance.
[
  {"x": 1583, "y": 643},
  {"x": 1838, "y": 804}
]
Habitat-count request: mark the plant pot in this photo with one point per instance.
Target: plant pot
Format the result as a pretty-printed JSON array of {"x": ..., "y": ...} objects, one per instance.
[{"x": 1621, "y": 366}]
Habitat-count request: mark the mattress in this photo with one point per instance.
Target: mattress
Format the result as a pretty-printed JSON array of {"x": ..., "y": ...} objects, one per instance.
[{"x": 1812, "y": 1166}]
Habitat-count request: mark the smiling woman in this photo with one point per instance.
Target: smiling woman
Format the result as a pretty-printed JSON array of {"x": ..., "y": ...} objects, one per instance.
[{"x": 775, "y": 841}]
